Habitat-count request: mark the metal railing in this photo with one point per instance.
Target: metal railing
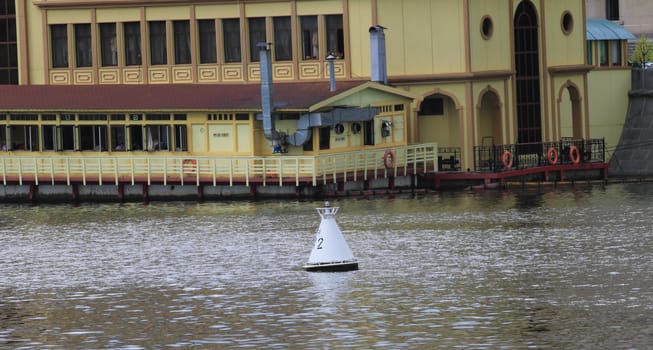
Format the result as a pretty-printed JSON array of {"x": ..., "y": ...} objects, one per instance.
[
  {"x": 529, "y": 155},
  {"x": 360, "y": 165}
]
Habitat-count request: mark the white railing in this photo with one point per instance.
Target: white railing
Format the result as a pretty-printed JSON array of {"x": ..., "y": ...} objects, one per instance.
[{"x": 270, "y": 170}]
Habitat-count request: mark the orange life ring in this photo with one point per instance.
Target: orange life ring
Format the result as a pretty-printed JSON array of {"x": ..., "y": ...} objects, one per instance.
[
  {"x": 189, "y": 165},
  {"x": 552, "y": 156},
  {"x": 574, "y": 155},
  {"x": 389, "y": 159},
  {"x": 506, "y": 158}
]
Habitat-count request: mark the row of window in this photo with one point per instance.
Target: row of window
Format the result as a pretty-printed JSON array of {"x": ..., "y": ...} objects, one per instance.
[
  {"x": 123, "y": 40},
  {"x": 609, "y": 52},
  {"x": 99, "y": 138}
]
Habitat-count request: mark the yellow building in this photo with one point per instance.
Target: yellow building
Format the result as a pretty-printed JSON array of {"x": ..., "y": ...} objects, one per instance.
[{"x": 183, "y": 78}]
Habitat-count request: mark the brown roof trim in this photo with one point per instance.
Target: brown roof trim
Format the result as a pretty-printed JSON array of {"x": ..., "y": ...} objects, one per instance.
[{"x": 224, "y": 97}]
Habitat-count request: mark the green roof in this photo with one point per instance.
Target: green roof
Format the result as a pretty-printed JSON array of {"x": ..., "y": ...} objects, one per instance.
[{"x": 602, "y": 29}]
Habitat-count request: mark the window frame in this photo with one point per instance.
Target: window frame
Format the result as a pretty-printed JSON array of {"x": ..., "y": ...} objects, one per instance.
[
  {"x": 182, "y": 41},
  {"x": 157, "y": 34},
  {"x": 83, "y": 45},
  {"x": 256, "y": 30},
  {"x": 132, "y": 43},
  {"x": 283, "y": 43},
  {"x": 310, "y": 37},
  {"x": 232, "y": 45},
  {"x": 59, "y": 46},
  {"x": 108, "y": 44},
  {"x": 206, "y": 39}
]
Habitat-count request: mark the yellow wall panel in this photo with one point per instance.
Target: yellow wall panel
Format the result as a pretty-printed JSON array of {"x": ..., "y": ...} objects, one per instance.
[
  {"x": 198, "y": 137},
  {"x": 492, "y": 53},
  {"x": 68, "y": 16},
  {"x": 217, "y": 11},
  {"x": 608, "y": 103},
  {"x": 244, "y": 138},
  {"x": 267, "y": 9},
  {"x": 561, "y": 48},
  {"x": 313, "y": 7},
  {"x": 118, "y": 15},
  {"x": 37, "y": 58},
  {"x": 414, "y": 36},
  {"x": 360, "y": 20},
  {"x": 167, "y": 13},
  {"x": 221, "y": 138}
]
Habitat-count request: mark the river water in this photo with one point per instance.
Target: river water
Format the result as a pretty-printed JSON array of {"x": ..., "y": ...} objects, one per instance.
[{"x": 566, "y": 268}]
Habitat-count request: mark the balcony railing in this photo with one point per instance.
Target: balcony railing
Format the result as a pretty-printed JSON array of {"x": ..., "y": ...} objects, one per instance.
[
  {"x": 529, "y": 155},
  {"x": 362, "y": 165}
]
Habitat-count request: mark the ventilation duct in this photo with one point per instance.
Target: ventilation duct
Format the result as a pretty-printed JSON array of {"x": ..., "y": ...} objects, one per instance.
[
  {"x": 266, "y": 91},
  {"x": 378, "y": 68},
  {"x": 331, "y": 118}
]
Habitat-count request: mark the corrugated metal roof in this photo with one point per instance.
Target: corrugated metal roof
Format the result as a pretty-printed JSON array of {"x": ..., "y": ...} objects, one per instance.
[
  {"x": 288, "y": 96},
  {"x": 602, "y": 29}
]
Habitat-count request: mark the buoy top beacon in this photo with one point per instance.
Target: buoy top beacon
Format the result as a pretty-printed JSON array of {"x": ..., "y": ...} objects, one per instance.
[{"x": 330, "y": 252}]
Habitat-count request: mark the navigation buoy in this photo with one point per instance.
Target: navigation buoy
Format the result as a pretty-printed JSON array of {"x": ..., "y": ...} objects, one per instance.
[{"x": 330, "y": 252}]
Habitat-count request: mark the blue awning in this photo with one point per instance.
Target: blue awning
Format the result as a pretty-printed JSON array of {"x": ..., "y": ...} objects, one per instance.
[{"x": 602, "y": 29}]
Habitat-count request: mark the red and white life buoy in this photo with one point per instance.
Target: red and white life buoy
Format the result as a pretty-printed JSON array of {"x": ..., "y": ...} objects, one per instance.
[
  {"x": 389, "y": 159},
  {"x": 552, "y": 156},
  {"x": 506, "y": 158},
  {"x": 189, "y": 165},
  {"x": 574, "y": 155}
]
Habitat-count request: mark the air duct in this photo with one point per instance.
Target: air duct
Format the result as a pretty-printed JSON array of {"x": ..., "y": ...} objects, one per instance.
[
  {"x": 378, "y": 68},
  {"x": 266, "y": 90},
  {"x": 331, "y": 118}
]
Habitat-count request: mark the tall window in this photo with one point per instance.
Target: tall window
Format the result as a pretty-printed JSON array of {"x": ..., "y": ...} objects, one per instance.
[
  {"x": 49, "y": 135},
  {"x": 615, "y": 51},
  {"x": 181, "y": 138},
  {"x": 603, "y": 53},
  {"x": 529, "y": 115},
  {"x": 590, "y": 61},
  {"x": 282, "y": 39},
  {"x": 310, "y": 37},
  {"x": 335, "y": 37},
  {"x": 8, "y": 44},
  {"x": 118, "y": 138},
  {"x": 59, "y": 45},
  {"x": 83, "y": 55},
  {"x": 108, "y": 44},
  {"x": 256, "y": 35},
  {"x": 182, "y": 42},
  {"x": 93, "y": 138},
  {"x": 157, "y": 138},
  {"x": 207, "y": 41},
  {"x": 612, "y": 10},
  {"x": 158, "y": 49},
  {"x": 231, "y": 32},
  {"x": 132, "y": 43}
]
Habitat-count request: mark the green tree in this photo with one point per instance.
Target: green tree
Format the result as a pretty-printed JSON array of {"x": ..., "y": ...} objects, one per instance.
[{"x": 643, "y": 52}]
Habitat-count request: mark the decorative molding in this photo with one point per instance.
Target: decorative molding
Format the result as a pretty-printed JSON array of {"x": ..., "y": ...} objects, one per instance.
[
  {"x": 232, "y": 73},
  {"x": 309, "y": 70},
  {"x": 60, "y": 77},
  {"x": 109, "y": 76},
  {"x": 83, "y": 77},
  {"x": 207, "y": 74},
  {"x": 132, "y": 75}
]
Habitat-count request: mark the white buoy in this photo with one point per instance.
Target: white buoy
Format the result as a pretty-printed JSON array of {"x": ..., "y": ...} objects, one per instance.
[{"x": 330, "y": 252}]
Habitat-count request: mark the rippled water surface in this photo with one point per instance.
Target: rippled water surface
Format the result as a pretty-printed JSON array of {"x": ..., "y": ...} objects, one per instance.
[{"x": 566, "y": 268}]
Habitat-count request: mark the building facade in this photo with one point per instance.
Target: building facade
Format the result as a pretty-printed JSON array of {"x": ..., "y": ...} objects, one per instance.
[
  {"x": 171, "y": 77},
  {"x": 633, "y": 15}
]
